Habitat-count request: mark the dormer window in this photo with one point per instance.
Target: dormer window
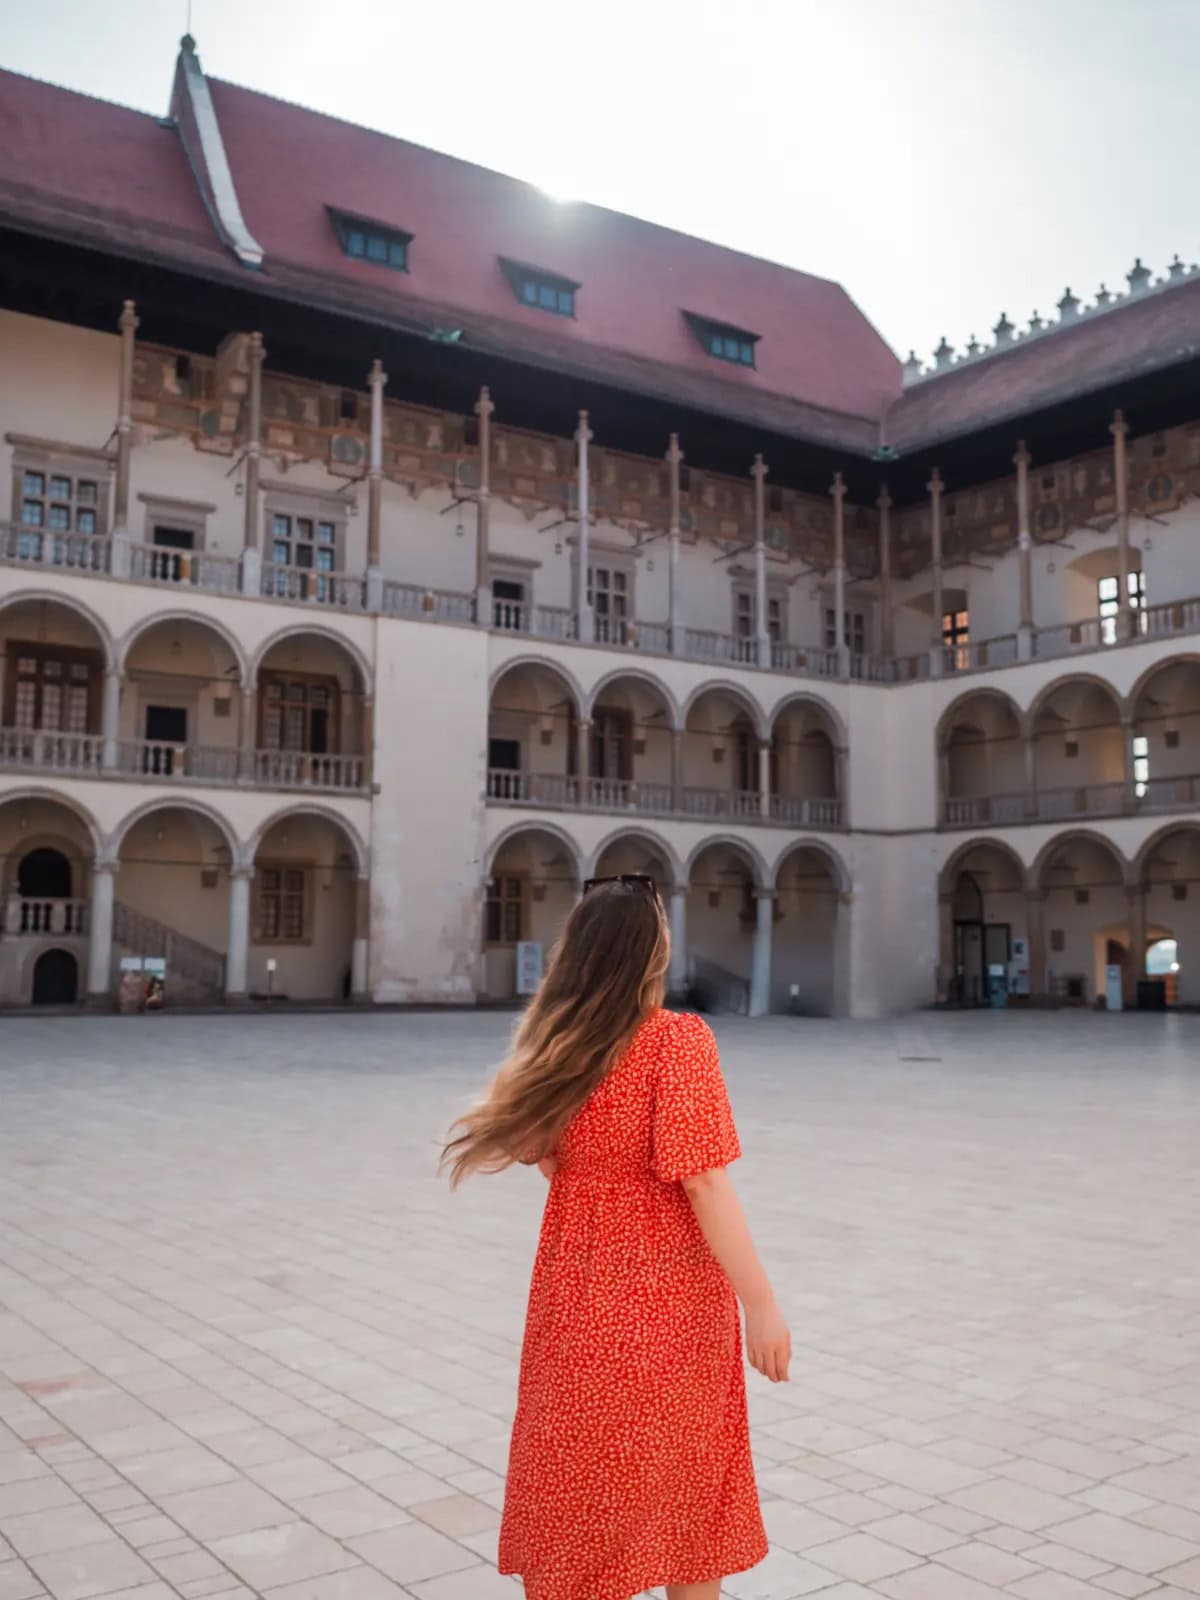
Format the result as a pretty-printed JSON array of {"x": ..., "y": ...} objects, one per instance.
[
  {"x": 372, "y": 241},
  {"x": 543, "y": 291},
  {"x": 722, "y": 340}
]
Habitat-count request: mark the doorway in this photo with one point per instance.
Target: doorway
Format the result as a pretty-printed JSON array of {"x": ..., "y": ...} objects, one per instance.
[
  {"x": 168, "y": 566},
  {"x": 55, "y": 979},
  {"x": 44, "y": 875},
  {"x": 165, "y": 731}
]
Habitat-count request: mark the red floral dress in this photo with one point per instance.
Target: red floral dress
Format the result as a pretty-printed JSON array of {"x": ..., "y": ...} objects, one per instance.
[{"x": 630, "y": 1464}]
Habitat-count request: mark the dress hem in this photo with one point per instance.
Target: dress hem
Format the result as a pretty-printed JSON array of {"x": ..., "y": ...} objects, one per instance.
[{"x": 658, "y": 1582}]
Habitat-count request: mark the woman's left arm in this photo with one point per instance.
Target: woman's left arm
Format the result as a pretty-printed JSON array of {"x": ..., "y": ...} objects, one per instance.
[{"x": 548, "y": 1166}]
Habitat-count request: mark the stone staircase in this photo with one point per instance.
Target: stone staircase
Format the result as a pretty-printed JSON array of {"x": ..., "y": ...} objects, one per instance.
[
  {"x": 716, "y": 990},
  {"x": 195, "y": 973}
]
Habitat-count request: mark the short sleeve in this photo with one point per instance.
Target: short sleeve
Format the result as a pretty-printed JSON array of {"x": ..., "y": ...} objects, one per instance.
[{"x": 693, "y": 1127}]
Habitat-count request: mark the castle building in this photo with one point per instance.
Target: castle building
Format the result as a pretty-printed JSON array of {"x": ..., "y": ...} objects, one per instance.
[{"x": 392, "y": 547}]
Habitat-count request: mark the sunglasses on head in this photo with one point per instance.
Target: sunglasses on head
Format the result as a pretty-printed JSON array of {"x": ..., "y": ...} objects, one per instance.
[{"x": 635, "y": 880}]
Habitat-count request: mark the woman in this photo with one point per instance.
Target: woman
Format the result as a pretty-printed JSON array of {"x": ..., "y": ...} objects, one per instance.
[{"x": 630, "y": 1464}]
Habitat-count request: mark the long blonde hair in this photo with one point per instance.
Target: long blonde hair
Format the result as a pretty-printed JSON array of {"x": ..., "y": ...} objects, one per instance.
[{"x": 607, "y": 974}]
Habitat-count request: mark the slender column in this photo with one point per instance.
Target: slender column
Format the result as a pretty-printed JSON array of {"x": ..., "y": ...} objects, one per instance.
[
  {"x": 1135, "y": 967},
  {"x": 1119, "y": 429},
  {"x": 583, "y": 607},
  {"x": 945, "y": 961},
  {"x": 935, "y": 486},
  {"x": 1035, "y": 924},
  {"x": 376, "y": 379},
  {"x": 483, "y": 511},
  {"x": 110, "y": 725},
  {"x": 1029, "y": 752},
  {"x": 251, "y": 558},
  {"x": 841, "y": 783},
  {"x": 247, "y": 733},
  {"x": 583, "y": 759},
  {"x": 838, "y": 491},
  {"x": 675, "y": 623},
  {"x": 764, "y": 777},
  {"x": 886, "y": 623},
  {"x": 843, "y": 948},
  {"x": 100, "y": 943},
  {"x": 360, "y": 951},
  {"x": 367, "y": 739},
  {"x": 237, "y": 955},
  {"x": 1025, "y": 632},
  {"x": 677, "y": 769},
  {"x": 677, "y": 973},
  {"x": 760, "y": 975},
  {"x": 1129, "y": 798},
  {"x": 762, "y": 633},
  {"x": 128, "y": 325}
]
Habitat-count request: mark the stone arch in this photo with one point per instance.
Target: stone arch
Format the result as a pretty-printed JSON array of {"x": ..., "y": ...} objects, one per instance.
[
  {"x": 180, "y": 614},
  {"x": 838, "y": 870},
  {"x": 535, "y": 824},
  {"x": 736, "y": 692},
  {"x": 1068, "y": 679},
  {"x": 953, "y": 863},
  {"x": 644, "y": 836},
  {"x": 950, "y": 716},
  {"x": 176, "y": 803},
  {"x": 568, "y": 679},
  {"x": 803, "y": 697},
  {"x": 1078, "y": 836},
  {"x": 1159, "y": 837},
  {"x": 309, "y": 808},
  {"x": 318, "y": 630},
  {"x": 59, "y": 798},
  {"x": 1181, "y": 658},
  {"x": 758, "y": 867},
  {"x": 644, "y": 679},
  {"x": 68, "y": 603}
]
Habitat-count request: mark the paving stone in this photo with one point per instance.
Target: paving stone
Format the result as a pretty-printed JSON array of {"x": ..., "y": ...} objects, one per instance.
[
  {"x": 280, "y": 1555},
  {"x": 92, "y": 1569},
  {"x": 413, "y": 1552}
]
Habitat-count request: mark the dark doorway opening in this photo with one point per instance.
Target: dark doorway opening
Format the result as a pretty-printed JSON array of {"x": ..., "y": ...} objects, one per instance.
[
  {"x": 165, "y": 726},
  {"x": 55, "y": 979},
  {"x": 44, "y": 875}
]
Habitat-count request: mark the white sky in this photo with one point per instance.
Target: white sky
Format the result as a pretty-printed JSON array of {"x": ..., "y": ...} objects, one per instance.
[{"x": 944, "y": 159}]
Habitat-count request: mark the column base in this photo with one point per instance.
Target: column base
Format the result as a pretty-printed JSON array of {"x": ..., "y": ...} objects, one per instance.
[
  {"x": 251, "y": 574},
  {"x": 99, "y": 1002},
  {"x": 240, "y": 998}
]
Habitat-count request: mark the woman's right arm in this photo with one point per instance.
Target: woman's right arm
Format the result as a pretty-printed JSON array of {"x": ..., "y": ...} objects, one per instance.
[{"x": 723, "y": 1223}]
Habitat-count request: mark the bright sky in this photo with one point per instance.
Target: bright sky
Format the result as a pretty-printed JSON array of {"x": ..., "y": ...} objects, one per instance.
[{"x": 945, "y": 160}]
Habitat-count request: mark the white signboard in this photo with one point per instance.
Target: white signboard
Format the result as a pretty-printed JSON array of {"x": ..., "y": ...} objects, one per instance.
[
  {"x": 1112, "y": 989},
  {"x": 529, "y": 966},
  {"x": 1018, "y": 967}
]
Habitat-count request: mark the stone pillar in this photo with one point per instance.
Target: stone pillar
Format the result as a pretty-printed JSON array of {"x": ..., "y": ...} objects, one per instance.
[
  {"x": 367, "y": 739},
  {"x": 1119, "y": 429},
  {"x": 376, "y": 379},
  {"x": 843, "y": 945},
  {"x": 677, "y": 769},
  {"x": 1025, "y": 630},
  {"x": 1035, "y": 927},
  {"x": 1129, "y": 797},
  {"x": 360, "y": 951},
  {"x": 945, "y": 959},
  {"x": 583, "y": 759},
  {"x": 760, "y": 975},
  {"x": 937, "y": 657},
  {"x": 762, "y": 635},
  {"x": 1029, "y": 751},
  {"x": 841, "y": 782},
  {"x": 128, "y": 325},
  {"x": 764, "y": 778},
  {"x": 677, "y": 973},
  {"x": 583, "y": 608},
  {"x": 887, "y": 643},
  {"x": 247, "y": 734},
  {"x": 674, "y": 617},
  {"x": 251, "y": 558},
  {"x": 1135, "y": 967},
  {"x": 100, "y": 942},
  {"x": 237, "y": 955},
  {"x": 483, "y": 511},
  {"x": 841, "y": 643},
  {"x": 110, "y": 720}
]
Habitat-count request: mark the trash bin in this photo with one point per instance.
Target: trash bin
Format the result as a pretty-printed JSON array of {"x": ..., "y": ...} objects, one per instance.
[{"x": 1152, "y": 994}]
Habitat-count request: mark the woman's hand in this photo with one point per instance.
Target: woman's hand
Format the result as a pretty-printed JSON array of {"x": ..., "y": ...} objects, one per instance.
[
  {"x": 548, "y": 1166},
  {"x": 768, "y": 1342}
]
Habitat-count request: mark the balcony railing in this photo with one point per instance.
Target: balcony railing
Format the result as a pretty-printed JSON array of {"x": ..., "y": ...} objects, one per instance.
[
  {"x": 428, "y": 605},
  {"x": 621, "y": 794},
  {"x": 982, "y": 810},
  {"x": 980, "y": 655},
  {"x": 806, "y": 812},
  {"x": 1069, "y": 804},
  {"x": 160, "y": 758},
  {"x": 50, "y": 752},
  {"x": 291, "y": 769},
  {"x": 1168, "y": 794},
  {"x": 306, "y": 586},
  {"x": 24, "y": 914},
  {"x": 45, "y": 547},
  {"x": 152, "y": 563},
  {"x": 532, "y": 788},
  {"x": 658, "y": 799}
]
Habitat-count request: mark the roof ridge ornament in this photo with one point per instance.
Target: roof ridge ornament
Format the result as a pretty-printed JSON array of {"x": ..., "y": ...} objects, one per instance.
[{"x": 195, "y": 120}]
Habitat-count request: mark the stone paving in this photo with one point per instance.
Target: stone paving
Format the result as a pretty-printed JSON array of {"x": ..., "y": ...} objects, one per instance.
[{"x": 249, "y": 1343}]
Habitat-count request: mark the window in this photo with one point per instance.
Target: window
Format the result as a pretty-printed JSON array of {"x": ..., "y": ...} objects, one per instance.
[
  {"x": 508, "y": 603},
  {"x": 50, "y": 689},
  {"x": 744, "y": 630},
  {"x": 608, "y": 596},
  {"x": 724, "y": 342},
  {"x": 1141, "y": 764},
  {"x": 544, "y": 291},
  {"x": 303, "y": 544},
  {"x": 298, "y": 713},
  {"x": 282, "y": 896},
  {"x": 504, "y": 911},
  {"x": 372, "y": 241},
  {"x": 956, "y": 636},
  {"x": 1108, "y": 596},
  {"x": 612, "y": 743},
  {"x": 855, "y": 629}
]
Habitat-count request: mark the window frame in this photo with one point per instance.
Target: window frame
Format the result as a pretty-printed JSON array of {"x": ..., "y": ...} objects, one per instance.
[
  {"x": 1108, "y": 607},
  {"x": 549, "y": 289},
  {"x": 724, "y": 341},
  {"x": 499, "y": 901},
  {"x": 858, "y": 644},
  {"x": 269, "y": 677},
  {"x": 744, "y": 591},
  {"x": 261, "y": 870},
  {"x": 348, "y": 226},
  {"x": 320, "y": 511},
  {"x": 69, "y": 655},
  {"x": 51, "y": 461}
]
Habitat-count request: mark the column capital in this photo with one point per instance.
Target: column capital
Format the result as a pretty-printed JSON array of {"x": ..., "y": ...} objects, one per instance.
[
  {"x": 583, "y": 434},
  {"x": 674, "y": 453},
  {"x": 258, "y": 351},
  {"x": 484, "y": 405},
  {"x": 377, "y": 377},
  {"x": 838, "y": 490},
  {"x": 107, "y": 864},
  {"x": 765, "y": 894},
  {"x": 935, "y": 484},
  {"x": 241, "y": 872},
  {"x": 1133, "y": 890},
  {"x": 129, "y": 321},
  {"x": 1118, "y": 427},
  {"x": 759, "y": 469},
  {"x": 1022, "y": 459},
  {"x": 883, "y": 499},
  {"x": 1035, "y": 896}
]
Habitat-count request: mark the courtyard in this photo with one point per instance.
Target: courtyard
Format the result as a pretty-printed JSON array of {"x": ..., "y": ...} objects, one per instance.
[{"x": 250, "y": 1344}]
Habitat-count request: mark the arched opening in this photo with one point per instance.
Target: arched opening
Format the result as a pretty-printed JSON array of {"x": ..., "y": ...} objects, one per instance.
[
  {"x": 721, "y": 917},
  {"x": 304, "y": 909},
  {"x": 1170, "y": 876},
  {"x": 181, "y": 704},
  {"x": 53, "y": 660},
  {"x": 805, "y": 766},
  {"x": 530, "y": 888},
  {"x": 46, "y": 854},
  {"x": 1166, "y": 737},
  {"x": 44, "y": 874},
  {"x": 312, "y": 723},
  {"x": 805, "y": 948},
  {"x": 982, "y": 761},
  {"x": 720, "y": 772},
  {"x": 630, "y": 747},
  {"x": 533, "y": 722},
  {"x": 636, "y": 853},
  {"x": 984, "y": 887},
  {"x": 172, "y": 899},
  {"x": 56, "y": 978},
  {"x": 1087, "y": 917},
  {"x": 1079, "y": 750}
]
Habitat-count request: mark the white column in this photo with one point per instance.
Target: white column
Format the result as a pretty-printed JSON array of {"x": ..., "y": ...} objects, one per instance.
[
  {"x": 762, "y": 632},
  {"x": 764, "y": 777},
  {"x": 760, "y": 976},
  {"x": 483, "y": 502},
  {"x": 1119, "y": 429},
  {"x": 360, "y": 951},
  {"x": 237, "y": 953},
  {"x": 583, "y": 608},
  {"x": 838, "y": 491},
  {"x": 110, "y": 719},
  {"x": 677, "y": 974},
  {"x": 120, "y": 559},
  {"x": 100, "y": 946},
  {"x": 1025, "y": 634},
  {"x": 674, "y": 617},
  {"x": 251, "y": 557},
  {"x": 376, "y": 379},
  {"x": 886, "y": 645},
  {"x": 937, "y": 654},
  {"x": 843, "y": 968}
]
